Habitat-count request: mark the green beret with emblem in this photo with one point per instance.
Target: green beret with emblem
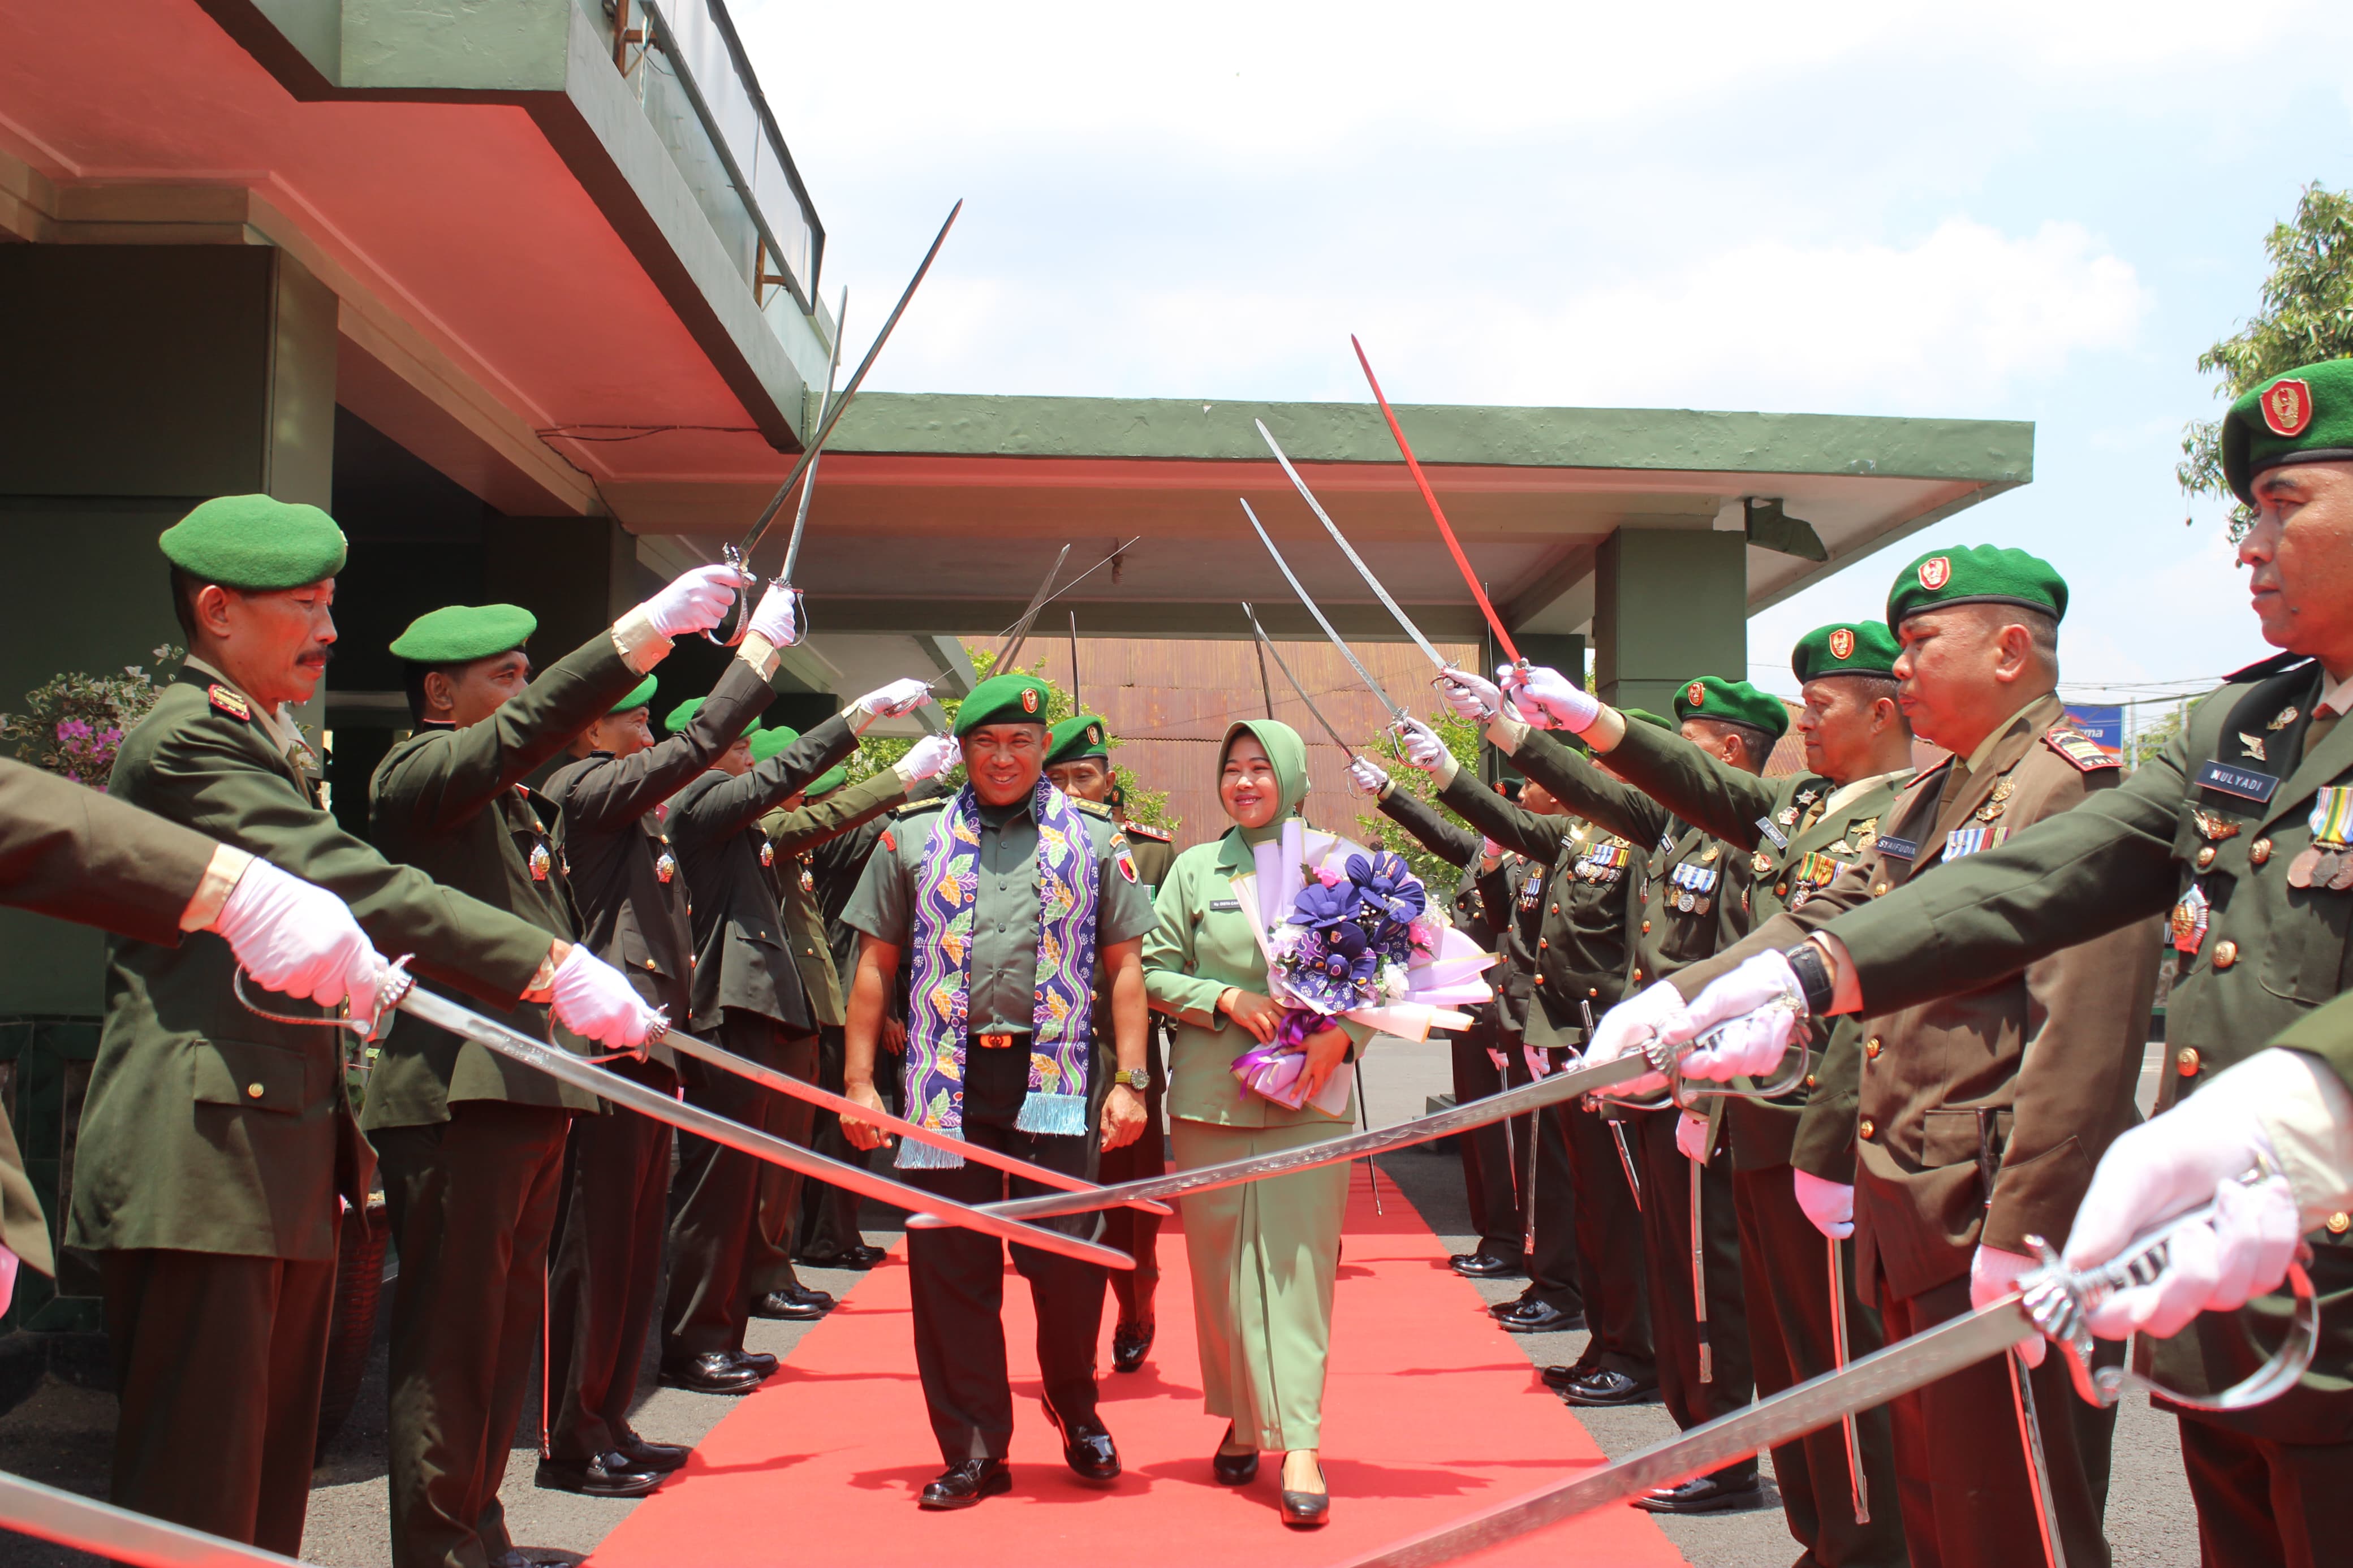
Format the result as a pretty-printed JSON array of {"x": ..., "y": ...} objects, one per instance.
[
  {"x": 1081, "y": 736},
  {"x": 1643, "y": 716},
  {"x": 1733, "y": 702},
  {"x": 641, "y": 695},
  {"x": 683, "y": 714},
  {"x": 1980, "y": 575},
  {"x": 459, "y": 634},
  {"x": 1003, "y": 699},
  {"x": 255, "y": 542},
  {"x": 1845, "y": 647},
  {"x": 767, "y": 743},
  {"x": 2302, "y": 416},
  {"x": 826, "y": 783}
]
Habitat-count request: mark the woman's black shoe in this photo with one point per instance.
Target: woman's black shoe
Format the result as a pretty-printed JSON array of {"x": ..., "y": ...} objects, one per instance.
[
  {"x": 1307, "y": 1510},
  {"x": 1233, "y": 1469}
]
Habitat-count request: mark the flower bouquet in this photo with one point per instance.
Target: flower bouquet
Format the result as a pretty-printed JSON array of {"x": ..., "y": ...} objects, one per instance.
[{"x": 1348, "y": 933}]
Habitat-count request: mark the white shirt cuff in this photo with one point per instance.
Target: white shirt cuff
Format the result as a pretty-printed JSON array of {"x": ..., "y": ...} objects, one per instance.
[
  {"x": 219, "y": 880},
  {"x": 634, "y": 638},
  {"x": 2304, "y": 1110},
  {"x": 759, "y": 654}
]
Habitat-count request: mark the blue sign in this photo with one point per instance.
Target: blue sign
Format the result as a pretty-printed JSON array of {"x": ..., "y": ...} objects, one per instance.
[{"x": 2104, "y": 722}]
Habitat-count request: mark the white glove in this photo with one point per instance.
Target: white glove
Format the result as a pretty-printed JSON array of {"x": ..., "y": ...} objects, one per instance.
[
  {"x": 928, "y": 758},
  {"x": 301, "y": 939},
  {"x": 2240, "y": 1252},
  {"x": 1490, "y": 850},
  {"x": 901, "y": 696},
  {"x": 777, "y": 617},
  {"x": 1425, "y": 750},
  {"x": 695, "y": 602},
  {"x": 1760, "y": 1002},
  {"x": 1993, "y": 1274},
  {"x": 1690, "y": 1137},
  {"x": 1626, "y": 1029},
  {"x": 595, "y": 1000},
  {"x": 1830, "y": 1205},
  {"x": 1548, "y": 698},
  {"x": 1367, "y": 777},
  {"x": 1470, "y": 696}
]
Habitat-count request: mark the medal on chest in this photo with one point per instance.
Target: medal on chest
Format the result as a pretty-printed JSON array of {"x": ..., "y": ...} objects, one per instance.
[
  {"x": 809, "y": 878},
  {"x": 1692, "y": 885},
  {"x": 768, "y": 854},
  {"x": 1531, "y": 890},
  {"x": 2189, "y": 921},
  {"x": 665, "y": 867},
  {"x": 539, "y": 862},
  {"x": 1604, "y": 863},
  {"x": 1966, "y": 841},
  {"x": 1998, "y": 802},
  {"x": 2328, "y": 862}
]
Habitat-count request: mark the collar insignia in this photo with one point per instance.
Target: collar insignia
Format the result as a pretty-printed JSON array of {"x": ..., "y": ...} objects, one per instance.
[
  {"x": 230, "y": 703},
  {"x": 2286, "y": 716},
  {"x": 2253, "y": 746}
]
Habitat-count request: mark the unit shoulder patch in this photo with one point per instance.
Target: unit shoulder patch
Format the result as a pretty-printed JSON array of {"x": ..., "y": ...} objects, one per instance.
[
  {"x": 229, "y": 702},
  {"x": 2086, "y": 754},
  {"x": 1139, "y": 830}
]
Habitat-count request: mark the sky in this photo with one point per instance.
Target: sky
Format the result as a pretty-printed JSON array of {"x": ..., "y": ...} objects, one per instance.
[{"x": 2005, "y": 210}]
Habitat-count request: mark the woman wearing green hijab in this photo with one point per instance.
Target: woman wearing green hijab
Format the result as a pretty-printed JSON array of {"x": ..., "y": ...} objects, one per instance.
[{"x": 1263, "y": 1254}]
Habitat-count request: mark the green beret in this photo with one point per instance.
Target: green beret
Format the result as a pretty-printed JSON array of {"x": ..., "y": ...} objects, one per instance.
[
  {"x": 826, "y": 783},
  {"x": 1845, "y": 647},
  {"x": 255, "y": 542},
  {"x": 641, "y": 695},
  {"x": 1981, "y": 574},
  {"x": 1733, "y": 701},
  {"x": 1003, "y": 699},
  {"x": 683, "y": 714},
  {"x": 2303, "y": 416},
  {"x": 1081, "y": 736},
  {"x": 1643, "y": 716},
  {"x": 767, "y": 743},
  {"x": 459, "y": 634}
]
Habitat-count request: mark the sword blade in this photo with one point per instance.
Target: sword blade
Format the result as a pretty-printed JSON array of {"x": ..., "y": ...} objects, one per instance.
[
  {"x": 824, "y": 407},
  {"x": 1349, "y": 551},
  {"x": 1807, "y": 1408},
  {"x": 1291, "y": 577},
  {"x": 117, "y": 1534},
  {"x": 1266, "y": 644},
  {"x": 770, "y": 1078},
  {"x": 556, "y": 1063},
  {"x": 1018, "y": 633}
]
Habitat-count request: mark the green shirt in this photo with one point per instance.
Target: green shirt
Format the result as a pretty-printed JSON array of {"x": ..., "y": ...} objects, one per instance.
[{"x": 1005, "y": 914}]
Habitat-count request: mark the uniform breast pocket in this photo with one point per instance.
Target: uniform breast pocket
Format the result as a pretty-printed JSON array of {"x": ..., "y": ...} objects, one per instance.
[
  {"x": 2306, "y": 945},
  {"x": 250, "y": 1075},
  {"x": 638, "y": 955},
  {"x": 1951, "y": 1137}
]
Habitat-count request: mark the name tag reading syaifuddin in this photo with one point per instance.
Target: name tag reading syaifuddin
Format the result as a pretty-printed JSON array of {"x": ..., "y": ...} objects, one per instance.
[
  {"x": 2246, "y": 785},
  {"x": 1895, "y": 848}
]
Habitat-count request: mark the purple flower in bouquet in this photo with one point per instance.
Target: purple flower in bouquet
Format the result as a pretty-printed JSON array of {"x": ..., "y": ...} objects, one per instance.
[
  {"x": 1320, "y": 908},
  {"x": 1334, "y": 968},
  {"x": 1388, "y": 886}
]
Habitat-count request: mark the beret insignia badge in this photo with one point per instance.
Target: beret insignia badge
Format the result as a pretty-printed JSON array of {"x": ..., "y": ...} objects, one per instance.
[
  {"x": 1842, "y": 644},
  {"x": 2287, "y": 407},
  {"x": 1935, "y": 571},
  {"x": 1696, "y": 694},
  {"x": 1030, "y": 699},
  {"x": 1094, "y": 734}
]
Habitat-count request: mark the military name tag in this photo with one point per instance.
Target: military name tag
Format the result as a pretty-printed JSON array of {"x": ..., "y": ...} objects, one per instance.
[
  {"x": 1225, "y": 906},
  {"x": 1896, "y": 849},
  {"x": 2242, "y": 782},
  {"x": 1781, "y": 839}
]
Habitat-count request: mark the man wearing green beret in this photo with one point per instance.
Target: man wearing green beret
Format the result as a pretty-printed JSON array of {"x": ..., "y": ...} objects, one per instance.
[
  {"x": 213, "y": 1143},
  {"x": 1078, "y": 762},
  {"x": 795, "y": 829},
  {"x": 746, "y": 993},
  {"x": 1010, "y": 900},
  {"x": 2241, "y": 827},
  {"x": 472, "y": 1142},
  {"x": 1981, "y": 1113}
]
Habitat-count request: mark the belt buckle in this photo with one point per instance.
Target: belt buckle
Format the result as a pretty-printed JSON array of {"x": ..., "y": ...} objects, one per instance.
[{"x": 997, "y": 1042}]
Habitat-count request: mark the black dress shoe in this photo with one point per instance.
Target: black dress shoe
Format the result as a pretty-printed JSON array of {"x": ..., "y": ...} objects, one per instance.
[
  {"x": 1087, "y": 1447},
  {"x": 611, "y": 1474},
  {"x": 1487, "y": 1265},
  {"x": 782, "y": 1305},
  {"x": 1703, "y": 1494},
  {"x": 859, "y": 1257},
  {"x": 1233, "y": 1469},
  {"x": 662, "y": 1458},
  {"x": 717, "y": 1372},
  {"x": 1130, "y": 1343},
  {"x": 1307, "y": 1510},
  {"x": 960, "y": 1486},
  {"x": 1602, "y": 1385},
  {"x": 760, "y": 1361},
  {"x": 1532, "y": 1316}
]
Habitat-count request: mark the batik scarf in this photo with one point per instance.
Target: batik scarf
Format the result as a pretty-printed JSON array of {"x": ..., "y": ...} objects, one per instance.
[{"x": 1061, "y": 1022}]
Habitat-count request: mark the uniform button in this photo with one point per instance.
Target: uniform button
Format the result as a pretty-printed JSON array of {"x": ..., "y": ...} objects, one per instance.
[
  {"x": 1780, "y": 890},
  {"x": 2205, "y": 857},
  {"x": 649, "y": 964},
  {"x": 1865, "y": 1128},
  {"x": 1638, "y": 977},
  {"x": 2259, "y": 851},
  {"x": 1593, "y": 991},
  {"x": 253, "y": 1092},
  {"x": 2226, "y": 953},
  {"x": 1878, "y": 889},
  {"x": 1810, "y": 1080},
  {"x": 1646, "y": 928},
  {"x": 1556, "y": 908},
  {"x": 1873, "y": 1046},
  {"x": 2337, "y": 1222},
  {"x": 2185, "y": 1061}
]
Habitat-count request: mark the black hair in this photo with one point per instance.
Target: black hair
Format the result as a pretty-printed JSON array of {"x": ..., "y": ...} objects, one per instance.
[{"x": 185, "y": 590}]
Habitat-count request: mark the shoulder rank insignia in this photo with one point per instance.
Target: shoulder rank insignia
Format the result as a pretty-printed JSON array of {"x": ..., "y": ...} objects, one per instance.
[
  {"x": 2285, "y": 717},
  {"x": 230, "y": 703},
  {"x": 2086, "y": 754},
  {"x": 1092, "y": 807},
  {"x": 1139, "y": 830},
  {"x": 2252, "y": 746},
  {"x": 911, "y": 807}
]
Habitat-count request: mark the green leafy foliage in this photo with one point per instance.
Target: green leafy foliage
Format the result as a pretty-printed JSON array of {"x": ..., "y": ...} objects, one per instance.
[
  {"x": 2306, "y": 315},
  {"x": 1461, "y": 738},
  {"x": 74, "y": 725}
]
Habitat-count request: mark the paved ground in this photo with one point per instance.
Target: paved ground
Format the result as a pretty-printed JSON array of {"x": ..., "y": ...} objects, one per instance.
[{"x": 62, "y": 1433}]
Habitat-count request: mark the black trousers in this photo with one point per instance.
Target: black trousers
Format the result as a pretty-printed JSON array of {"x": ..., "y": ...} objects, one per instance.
[
  {"x": 777, "y": 1218},
  {"x": 1703, "y": 1368},
  {"x": 708, "y": 1304},
  {"x": 1610, "y": 1272},
  {"x": 2265, "y": 1503},
  {"x": 1785, "y": 1265},
  {"x": 472, "y": 1204},
  {"x": 829, "y": 1217},
  {"x": 218, "y": 1360},
  {"x": 1488, "y": 1179},
  {"x": 1130, "y": 1230},
  {"x": 1549, "y": 1203},
  {"x": 609, "y": 1246},
  {"x": 1960, "y": 1465},
  {"x": 958, "y": 1277}
]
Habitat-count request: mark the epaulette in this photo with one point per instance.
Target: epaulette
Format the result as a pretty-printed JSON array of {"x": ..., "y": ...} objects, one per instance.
[
  {"x": 1093, "y": 808},
  {"x": 2087, "y": 754},
  {"x": 917, "y": 807},
  {"x": 1138, "y": 830},
  {"x": 2265, "y": 668},
  {"x": 229, "y": 702}
]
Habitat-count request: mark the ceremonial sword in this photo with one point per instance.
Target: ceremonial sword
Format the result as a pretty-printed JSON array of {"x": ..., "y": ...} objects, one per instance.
[
  {"x": 1617, "y": 1126},
  {"x": 2053, "y": 1302},
  {"x": 1018, "y": 633},
  {"x": 824, "y": 407},
  {"x": 1348, "y": 550},
  {"x": 1006, "y": 641},
  {"x": 1266, "y": 646},
  {"x": 119, "y": 1535},
  {"x": 1395, "y": 713}
]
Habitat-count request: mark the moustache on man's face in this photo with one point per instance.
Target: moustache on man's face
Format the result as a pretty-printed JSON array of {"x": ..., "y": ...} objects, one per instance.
[{"x": 317, "y": 657}]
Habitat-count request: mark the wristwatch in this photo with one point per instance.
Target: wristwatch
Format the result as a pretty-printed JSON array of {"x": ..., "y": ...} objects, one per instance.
[{"x": 1136, "y": 1079}]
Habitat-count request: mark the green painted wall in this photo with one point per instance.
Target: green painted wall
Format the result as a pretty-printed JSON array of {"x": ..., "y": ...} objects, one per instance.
[{"x": 1669, "y": 603}]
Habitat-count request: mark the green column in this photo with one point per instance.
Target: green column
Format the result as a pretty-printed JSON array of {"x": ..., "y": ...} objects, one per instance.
[{"x": 1667, "y": 604}]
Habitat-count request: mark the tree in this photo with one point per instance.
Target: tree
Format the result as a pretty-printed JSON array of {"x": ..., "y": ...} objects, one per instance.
[
  {"x": 2306, "y": 315},
  {"x": 1461, "y": 738}
]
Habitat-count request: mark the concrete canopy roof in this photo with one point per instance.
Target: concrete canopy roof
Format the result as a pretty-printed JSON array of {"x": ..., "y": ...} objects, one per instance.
[{"x": 978, "y": 492}]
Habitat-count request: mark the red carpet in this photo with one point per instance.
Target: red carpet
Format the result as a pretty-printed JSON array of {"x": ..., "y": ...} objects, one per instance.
[{"x": 1428, "y": 1414}]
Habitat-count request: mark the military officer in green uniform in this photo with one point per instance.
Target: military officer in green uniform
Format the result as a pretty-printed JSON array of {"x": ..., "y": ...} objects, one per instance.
[
  {"x": 215, "y": 1143},
  {"x": 1983, "y": 1111},
  {"x": 2240, "y": 832},
  {"x": 1793, "y": 1158},
  {"x": 1078, "y": 762},
  {"x": 1007, "y": 897},
  {"x": 470, "y": 1144}
]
